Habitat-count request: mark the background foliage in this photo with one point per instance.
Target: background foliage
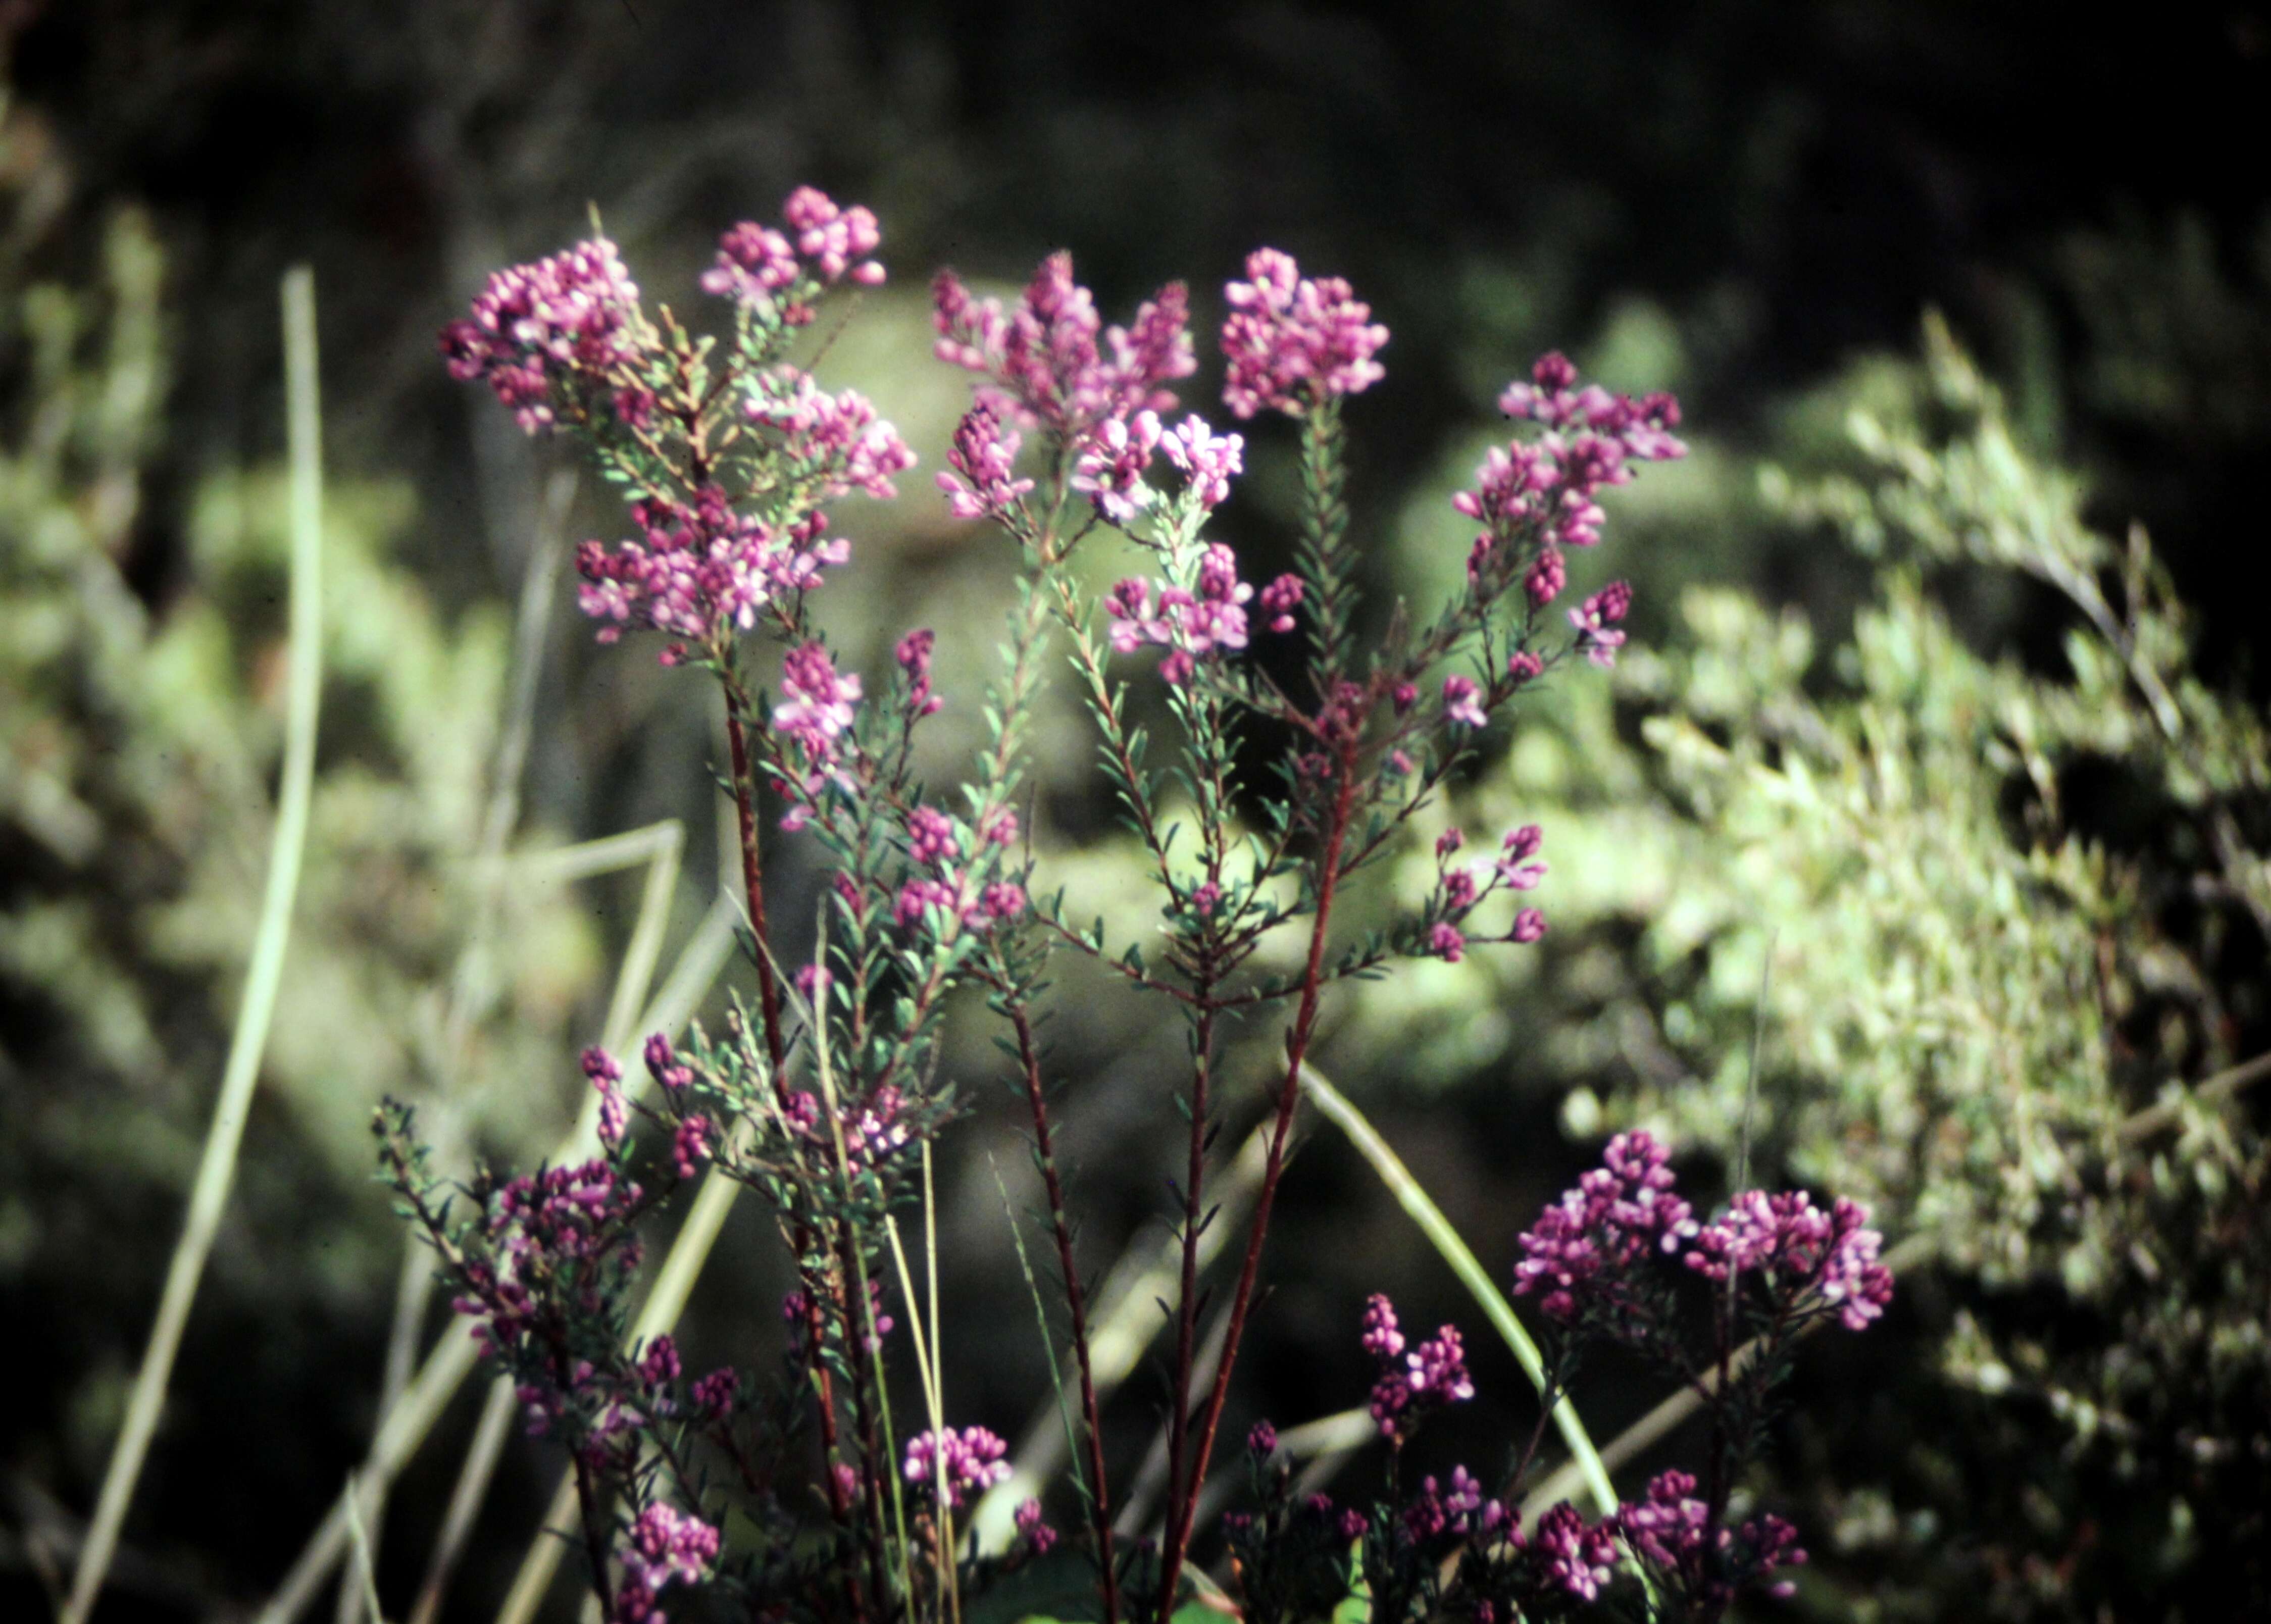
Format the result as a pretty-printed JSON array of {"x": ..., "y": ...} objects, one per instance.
[{"x": 1924, "y": 775}]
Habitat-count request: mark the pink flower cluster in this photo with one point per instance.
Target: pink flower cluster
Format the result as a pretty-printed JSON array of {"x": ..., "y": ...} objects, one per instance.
[
  {"x": 1292, "y": 341},
  {"x": 1671, "y": 1528},
  {"x": 816, "y": 710},
  {"x": 1460, "y": 1508},
  {"x": 553, "y": 333},
  {"x": 1043, "y": 360},
  {"x": 760, "y": 267},
  {"x": 1194, "y": 624},
  {"x": 834, "y": 444},
  {"x": 1536, "y": 497},
  {"x": 1413, "y": 1381},
  {"x": 1577, "y": 1255},
  {"x": 971, "y": 1458},
  {"x": 1596, "y": 623},
  {"x": 1581, "y": 1246},
  {"x": 1050, "y": 362},
  {"x": 666, "y": 1547},
  {"x": 1576, "y": 1558},
  {"x": 1829, "y": 1259},
  {"x": 1463, "y": 890},
  {"x": 980, "y": 479},
  {"x": 699, "y": 569},
  {"x": 938, "y": 843}
]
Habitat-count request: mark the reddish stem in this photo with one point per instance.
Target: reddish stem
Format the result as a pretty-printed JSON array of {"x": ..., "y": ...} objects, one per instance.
[
  {"x": 745, "y": 814},
  {"x": 1289, "y": 1097},
  {"x": 1075, "y": 1300}
]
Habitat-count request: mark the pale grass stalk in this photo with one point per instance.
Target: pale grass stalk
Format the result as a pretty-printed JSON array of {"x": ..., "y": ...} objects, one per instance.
[
  {"x": 1414, "y": 1200},
  {"x": 216, "y": 1171},
  {"x": 453, "y": 1359},
  {"x": 471, "y": 987},
  {"x": 363, "y": 1585},
  {"x": 663, "y": 841}
]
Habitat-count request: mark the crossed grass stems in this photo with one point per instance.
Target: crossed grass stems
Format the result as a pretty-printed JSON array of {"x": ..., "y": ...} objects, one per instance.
[{"x": 1110, "y": 1334}]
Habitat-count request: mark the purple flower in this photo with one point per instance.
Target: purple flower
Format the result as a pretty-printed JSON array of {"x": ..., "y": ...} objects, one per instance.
[
  {"x": 1578, "y": 1253},
  {"x": 698, "y": 570},
  {"x": 1112, "y": 463},
  {"x": 1815, "y": 1258},
  {"x": 1293, "y": 342},
  {"x": 1411, "y": 1382},
  {"x": 551, "y": 335},
  {"x": 1207, "y": 459},
  {"x": 1519, "y": 866},
  {"x": 615, "y": 1112},
  {"x": 834, "y": 444},
  {"x": 834, "y": 237},
  {"x": 1280, "y": 598},
  {"x": 1042, "y": 359},
  {"x": 913, "y": 657},
  {"x": 970, "y": 1461},
  {"x": 1192, "y": 623},
  {"x": 1666, "y": 1526},
  {"x": 981, "y": 483},
  {"x": 1462, "y": 702},
  {"x": 1595, "y": 622},
  {"x": 1446, "y": 942},
  {"x": 819, "y": 703},
  {"x": 1578, "y": 1559}
]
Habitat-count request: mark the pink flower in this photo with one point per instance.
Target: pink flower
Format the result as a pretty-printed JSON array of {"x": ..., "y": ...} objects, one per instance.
[
  {"x": 553, "y": 334},
  {"x": 835, "y": 443},
  {"x": 1522, "y": 665},
  {"x": 699, "y": 570},
  {"x": 1462, "y": 702},
  {"x": 1446, "y": 942},
  {"x": 1043, "y": 360},
  {"x": 1207, "y": 459},
  {"x": 1112, "y": 463},
  {"x": 819, "y": 703},
  {"x": 832, "y": 237},
  {"x": 1518, "y": 864},
  {"x": 968, "y": 1461},
  {"x": 1192, "y": 623},
  {"x": 615, "y": 1112},
  {"x": 981, "y": 483},
  {"x": 1280, "y": 598},
  {"x": 913, "y": 657},
  {"x": 1004, "y": 899},
  {"x": 1293, "y": 342},
  {"x": 1595, "y": 622}
]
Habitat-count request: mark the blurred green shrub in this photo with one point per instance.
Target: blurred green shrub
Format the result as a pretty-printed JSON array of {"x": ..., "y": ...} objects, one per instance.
[
  {"x": 140, "y": 725},
  {"x": 1976, "y": 906}
]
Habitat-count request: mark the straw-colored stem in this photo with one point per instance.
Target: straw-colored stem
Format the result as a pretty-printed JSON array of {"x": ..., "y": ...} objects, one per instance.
[
  {"x": 216, "y": 1171},
  {"x": 1414, "y": 1199},
  {"x": 448, "y": 1364}
]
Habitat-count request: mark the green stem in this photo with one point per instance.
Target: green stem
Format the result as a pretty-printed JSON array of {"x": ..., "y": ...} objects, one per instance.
[
  {"x": 216, "y": 1171},
  {"x": 1415, "y": 1200}
]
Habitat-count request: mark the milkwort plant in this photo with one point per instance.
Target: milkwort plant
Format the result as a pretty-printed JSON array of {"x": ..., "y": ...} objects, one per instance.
[
  {"x": 823, "y": 1096},
  {"x": 1619, "y": 1261}
]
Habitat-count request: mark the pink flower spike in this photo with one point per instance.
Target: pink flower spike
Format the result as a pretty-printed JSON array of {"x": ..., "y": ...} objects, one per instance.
[{"x": 1293, "y": 342}]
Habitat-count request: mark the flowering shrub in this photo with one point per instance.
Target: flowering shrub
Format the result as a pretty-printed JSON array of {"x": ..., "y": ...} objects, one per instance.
[{"x": 823, "y": 1097}]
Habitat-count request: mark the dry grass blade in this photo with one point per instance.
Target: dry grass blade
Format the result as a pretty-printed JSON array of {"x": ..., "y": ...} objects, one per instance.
[
  {"x": 216, "y": 1171},
  {"x": 1414, "y": 1199},
  {"x": 453, "y": 1359}
]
